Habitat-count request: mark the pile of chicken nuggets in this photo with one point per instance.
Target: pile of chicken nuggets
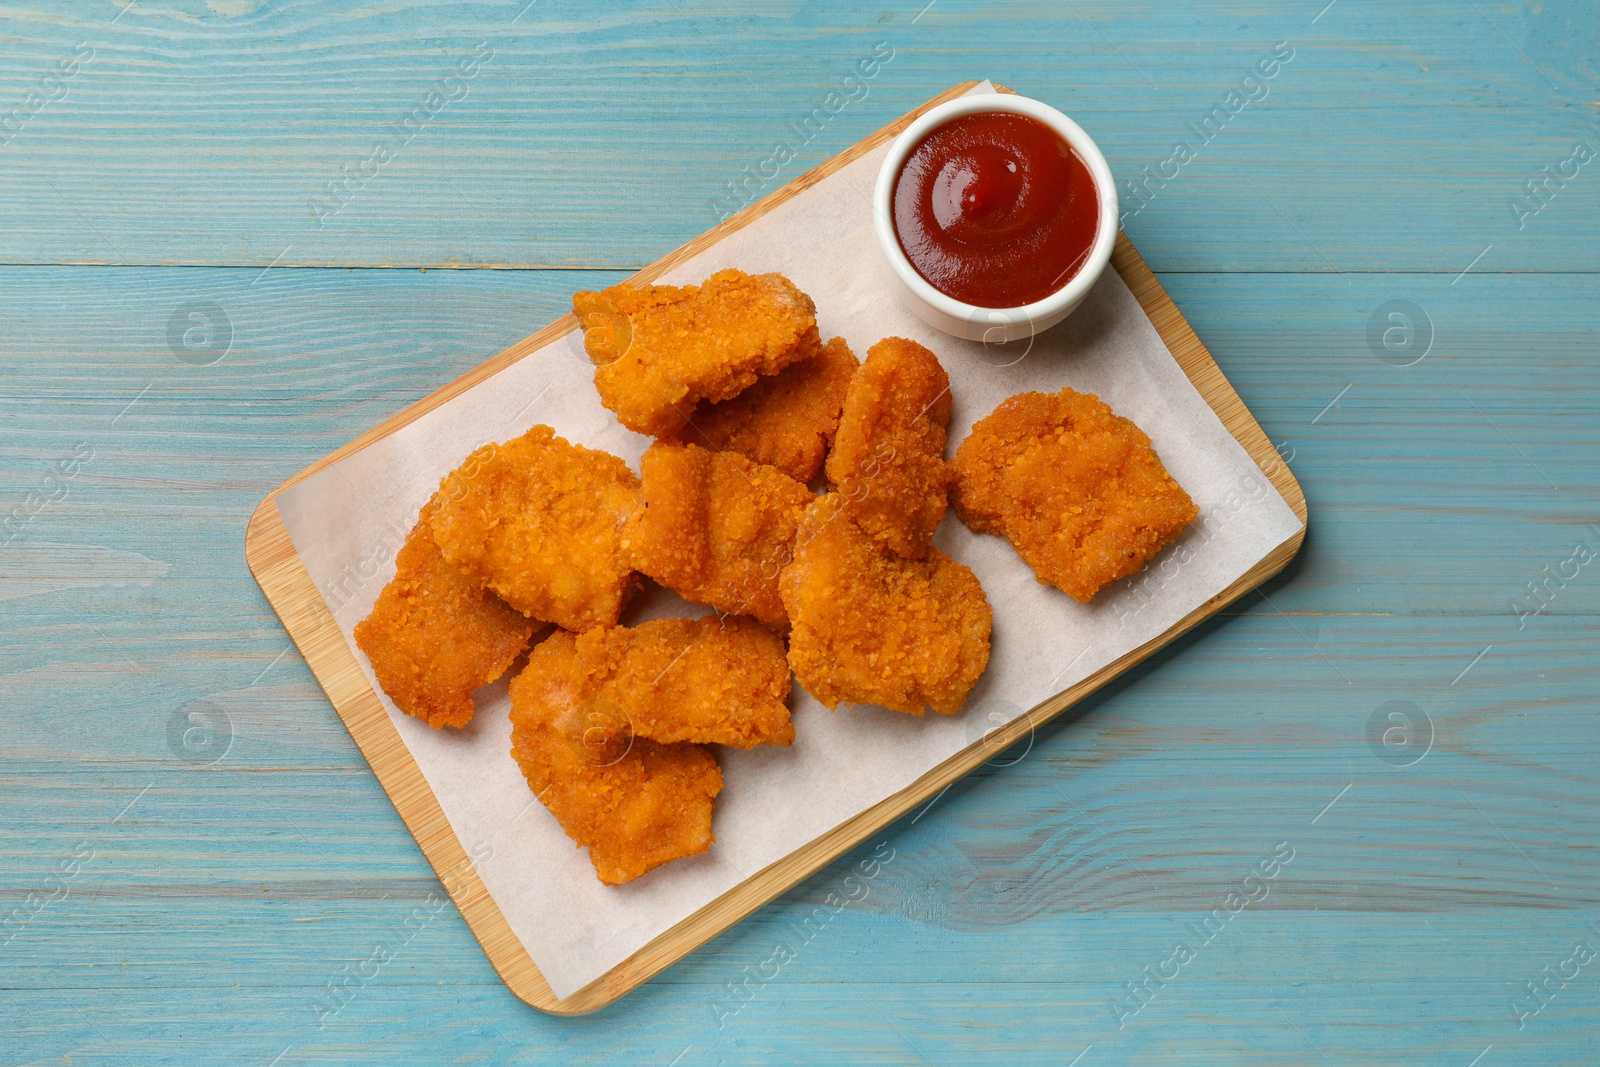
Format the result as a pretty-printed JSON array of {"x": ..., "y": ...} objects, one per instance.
[{"x": 792, "y": 489}]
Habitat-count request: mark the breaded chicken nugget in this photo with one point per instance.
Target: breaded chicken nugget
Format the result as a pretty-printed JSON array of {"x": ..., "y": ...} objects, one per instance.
[
  {"x": 634, "y": 803},
  {"x": 888, "y": 459},
  {"x": 716, "y": 528},
  {"x": 538, "y": 520},
  {"x": 1075, "y": 488},
  {"x": 787, "y": 420},
  {"x": 660, "y": 349},
  {"x": 872, "y": 627},
  {"x": 722, "y": 680},
  {"x": 434, "y": 635}
]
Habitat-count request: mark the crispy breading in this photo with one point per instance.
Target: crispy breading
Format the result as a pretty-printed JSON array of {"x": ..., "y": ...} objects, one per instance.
[
  {"x": 888, "y": 458},
  {"x": 1074, "y": 487},
  {"x": 709, "y": 680},
  {"x": 659, "y": 350},
  {"x": 538, "y": 520},
  {"x": 787, "y": 420},
  {"x": 434, "y": 635},
  {"x": 712, "y": 680},
  {"x": 634, "y": 803},
  {"x": 715, "y": 527},
  {"x": 873, "y": 627}
]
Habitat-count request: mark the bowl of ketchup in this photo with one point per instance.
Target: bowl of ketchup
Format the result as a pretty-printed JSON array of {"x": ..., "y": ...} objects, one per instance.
[{"x": 995, "y": 215}]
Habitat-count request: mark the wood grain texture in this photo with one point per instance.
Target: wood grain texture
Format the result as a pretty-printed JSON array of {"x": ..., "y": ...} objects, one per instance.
[
  {"x": 229, "y": 896},
  {"x": 601, "y": 137}
]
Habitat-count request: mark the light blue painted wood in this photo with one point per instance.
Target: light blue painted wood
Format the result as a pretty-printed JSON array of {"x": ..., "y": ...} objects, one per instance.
[
  {"x": 606, "y": 139},
  {"x": 212, "y": 902}
]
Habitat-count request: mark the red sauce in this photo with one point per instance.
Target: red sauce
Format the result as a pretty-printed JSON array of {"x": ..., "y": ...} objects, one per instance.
[{"x": 995, "y": 210}]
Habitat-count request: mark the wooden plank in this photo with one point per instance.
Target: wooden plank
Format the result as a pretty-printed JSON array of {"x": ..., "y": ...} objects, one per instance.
[
  {"x": 276, "y": 566},
  {"x": 1520, "y": 745},
  {"x": 577, "y": 144},
  {"x": 1223, "y": 1020},
  {"x": 1410, "y": 476},
  {"x": 963, "y": 977}
]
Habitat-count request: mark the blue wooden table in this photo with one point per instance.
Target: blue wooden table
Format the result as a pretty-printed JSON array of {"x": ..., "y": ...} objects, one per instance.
[{"x": 212, "y": 276}]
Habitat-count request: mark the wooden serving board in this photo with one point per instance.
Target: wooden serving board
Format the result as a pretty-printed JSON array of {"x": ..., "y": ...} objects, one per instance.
[{"x": 295, "y": 598}]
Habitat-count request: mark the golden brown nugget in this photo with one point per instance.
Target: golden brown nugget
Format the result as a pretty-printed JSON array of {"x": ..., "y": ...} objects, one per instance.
[
  {"x": 661, "y": 349},
  {"x": 715, "y": 527},
  {"x": 888, "y": 459},
  {"x": 872, "y": 627},
  {"x": 633, "y": 803},
  {"x": 434, "y": 635},
  {"x": 538, "y": 520},
  {"x": 708, "y": 680},
  {"x": 786, "y": 421},
  {"x": 723, "y": 680},
  {"x": 1075, "y": 488}
]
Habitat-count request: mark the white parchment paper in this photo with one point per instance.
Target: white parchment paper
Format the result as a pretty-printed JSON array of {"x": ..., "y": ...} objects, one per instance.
[{"x": 347, "y": 523}]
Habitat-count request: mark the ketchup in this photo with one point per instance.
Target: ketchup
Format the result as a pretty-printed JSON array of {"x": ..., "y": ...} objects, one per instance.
[{"x": 995, "y": 210}]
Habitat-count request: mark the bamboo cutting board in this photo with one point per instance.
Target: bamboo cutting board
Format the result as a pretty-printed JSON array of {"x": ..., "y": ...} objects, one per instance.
[{"x": 295, "y": 598}]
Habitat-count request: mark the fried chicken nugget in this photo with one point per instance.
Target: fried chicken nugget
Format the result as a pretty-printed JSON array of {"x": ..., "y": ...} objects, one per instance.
[
  {"x": 634, "y": 803},
  {"x": 721, "y": 680},
  {"x": 660, "y": 349},
  {"x": 434, "y": 635},
  {"x": 538, "y": 520},
  {"x": 715, "y": 527},
  {"x": 787, "y": 420},
  {"x": 872, "y": 627},
  {"x": 1074, "y": 487},
  {"x": 888, "y": 458}
]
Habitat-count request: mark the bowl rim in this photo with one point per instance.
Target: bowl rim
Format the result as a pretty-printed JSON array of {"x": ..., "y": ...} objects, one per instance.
[{"x": 1099, "y": 170}]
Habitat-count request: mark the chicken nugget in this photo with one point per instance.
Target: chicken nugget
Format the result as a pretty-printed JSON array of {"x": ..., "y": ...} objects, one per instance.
[
  {"x": 873, "y": 627},
  {"x": 787, "y": 420},
  {"x": 715, "y": 527},
  {"x": 434, "y": 635},
  {"x": 722, "y": 680},
  {"x": 1075, "y": 488},
  {"x": 888, "y": 459},
  {"x": 661, "y": 349},
  {"x": 538, "y": 520},
  {"x": 634, "y": 803}
]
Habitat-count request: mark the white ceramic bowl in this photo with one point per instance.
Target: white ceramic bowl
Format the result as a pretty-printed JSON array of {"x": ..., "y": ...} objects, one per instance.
[{"x": 991, "y": 325}]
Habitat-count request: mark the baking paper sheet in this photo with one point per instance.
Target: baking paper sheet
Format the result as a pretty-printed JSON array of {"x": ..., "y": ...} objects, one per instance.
[{"x": 347, "y": 522}]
